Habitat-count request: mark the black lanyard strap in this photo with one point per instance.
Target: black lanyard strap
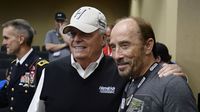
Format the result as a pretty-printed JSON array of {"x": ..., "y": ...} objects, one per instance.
[{"x": 131, "y": 89}]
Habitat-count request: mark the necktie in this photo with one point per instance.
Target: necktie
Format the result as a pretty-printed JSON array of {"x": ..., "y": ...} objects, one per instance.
[
  {"x": 16, "y": 70},
  {"x": 18, "y": 64}
]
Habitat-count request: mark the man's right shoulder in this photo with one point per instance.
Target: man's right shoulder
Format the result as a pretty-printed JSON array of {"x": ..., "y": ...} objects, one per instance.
[{"x": 42, "y": 62}]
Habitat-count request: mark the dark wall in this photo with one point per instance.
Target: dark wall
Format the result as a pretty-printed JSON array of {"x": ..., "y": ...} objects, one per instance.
[{"x": 40, "y": 13}]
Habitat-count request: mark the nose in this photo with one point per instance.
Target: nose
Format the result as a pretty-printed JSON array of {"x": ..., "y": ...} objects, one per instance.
[
  {"x": 77, "y": 37},
  {"x": 4, "y": 42}
]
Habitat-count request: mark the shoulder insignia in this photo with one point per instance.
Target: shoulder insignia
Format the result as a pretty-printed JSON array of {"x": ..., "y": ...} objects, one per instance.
[
  {"x": 42, "y": 62},
  {"x": 13, "y": 61}
]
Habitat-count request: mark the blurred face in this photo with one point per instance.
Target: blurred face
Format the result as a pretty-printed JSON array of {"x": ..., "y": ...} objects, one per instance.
[
  {"x": 127, "y": 48},
  {"x": 85, "y": 47},
  {"x": 59, "y": 23},
  {"x": 11, "y": 40}
]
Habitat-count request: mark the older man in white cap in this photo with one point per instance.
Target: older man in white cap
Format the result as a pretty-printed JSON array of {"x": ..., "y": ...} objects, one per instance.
[{"x": 86, "y": 81}]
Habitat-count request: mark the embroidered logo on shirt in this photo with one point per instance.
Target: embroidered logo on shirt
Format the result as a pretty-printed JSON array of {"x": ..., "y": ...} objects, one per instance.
[{"x": 109, "y": 90}]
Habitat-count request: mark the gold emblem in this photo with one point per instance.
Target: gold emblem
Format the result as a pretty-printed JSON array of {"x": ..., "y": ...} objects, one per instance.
[{"x": 42, "y": 62}]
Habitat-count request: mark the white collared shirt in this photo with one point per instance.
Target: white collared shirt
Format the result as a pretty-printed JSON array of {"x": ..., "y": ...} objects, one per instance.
[
  {"x": 24, "y": 57},
  {"x": 37, "y": 105},
  {"x": 89, "y": 70}
]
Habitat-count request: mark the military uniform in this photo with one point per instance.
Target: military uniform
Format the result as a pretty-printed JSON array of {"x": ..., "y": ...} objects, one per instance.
[{"x": 21, "y": 84}]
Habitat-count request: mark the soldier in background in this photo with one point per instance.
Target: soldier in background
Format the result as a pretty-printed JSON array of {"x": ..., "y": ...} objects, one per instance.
[{"x": 22, "y": 77}]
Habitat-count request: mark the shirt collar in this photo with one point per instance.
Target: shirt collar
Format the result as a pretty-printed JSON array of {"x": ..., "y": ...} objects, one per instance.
[
  {"x": 89, "y": 70},
  {"x": 24, "y": 57}
]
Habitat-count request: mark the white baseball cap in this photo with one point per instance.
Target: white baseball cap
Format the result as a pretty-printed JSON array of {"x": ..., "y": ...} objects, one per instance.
[{"x": 87, "y": 19}]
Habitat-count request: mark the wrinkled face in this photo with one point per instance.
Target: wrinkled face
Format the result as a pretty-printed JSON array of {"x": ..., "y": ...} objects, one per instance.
[
  {"x": 11, "y": 40},
  {"x": 85, "y": 46},
  {"x": 127, "y": 49}
]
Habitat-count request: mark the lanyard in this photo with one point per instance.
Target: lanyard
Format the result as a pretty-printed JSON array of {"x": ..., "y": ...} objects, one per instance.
[{"x": 127, "y": 100}]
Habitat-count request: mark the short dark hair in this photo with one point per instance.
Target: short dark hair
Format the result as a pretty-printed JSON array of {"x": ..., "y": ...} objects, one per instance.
[
  {"x": 162, "y": 51},
  {"x": 22, "y": 26}
]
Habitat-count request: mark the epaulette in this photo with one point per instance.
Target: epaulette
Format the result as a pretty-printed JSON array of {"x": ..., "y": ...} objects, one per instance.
[
  {"x": 42, "y": 62},
  {"x": 14, "y": 61}
]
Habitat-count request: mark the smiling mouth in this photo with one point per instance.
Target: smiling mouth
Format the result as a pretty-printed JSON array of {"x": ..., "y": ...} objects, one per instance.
[
  {"x": 79, "y": 48},
  {"x": 121, "y": 67}
]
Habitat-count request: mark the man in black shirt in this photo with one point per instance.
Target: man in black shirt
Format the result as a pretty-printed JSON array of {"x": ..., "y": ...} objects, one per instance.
[{"x": 86, "y": 81}]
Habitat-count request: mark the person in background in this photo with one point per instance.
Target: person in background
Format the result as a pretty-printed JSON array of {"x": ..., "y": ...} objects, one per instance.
[
  {"x": 86, "y": 81},
  {"x": 133, "y": 49},
  {"x": 106, "y": 49},
  {"x": 54, "y": 42},
  {"x": 17, "y": 90},
  {"x": 163, "y": 53}
]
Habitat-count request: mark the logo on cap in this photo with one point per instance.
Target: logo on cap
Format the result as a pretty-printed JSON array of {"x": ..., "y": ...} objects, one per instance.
[
  {"x": 60, "y": 16},
  {"x": 87, "y": 19}
]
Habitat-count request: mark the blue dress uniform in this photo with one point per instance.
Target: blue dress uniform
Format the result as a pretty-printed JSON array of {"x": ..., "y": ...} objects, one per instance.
[{"x": 21, "y": 84}]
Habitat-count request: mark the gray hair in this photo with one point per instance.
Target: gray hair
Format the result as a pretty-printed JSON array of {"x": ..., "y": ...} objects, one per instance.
[{"x": 22, "y": 26}]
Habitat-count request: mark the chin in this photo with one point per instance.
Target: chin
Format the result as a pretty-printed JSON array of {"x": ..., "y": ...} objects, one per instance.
[
  {"x": 8, "y": 52},
  {"x": 79, "y": 56},
  {"x": 124, "y": 74}
]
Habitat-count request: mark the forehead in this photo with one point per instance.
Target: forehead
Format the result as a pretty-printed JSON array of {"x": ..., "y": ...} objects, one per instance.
[
  {"x": 9, "y": 30},
  {"x": 125, "y": 30}
]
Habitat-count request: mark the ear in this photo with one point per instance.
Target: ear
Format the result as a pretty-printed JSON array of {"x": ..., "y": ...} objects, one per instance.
[
  {"x": 158, "y": 59},
  {"x": 149, "y": 46},
  {"x": 104, "y": 40},
  {"x": 21, "y": 39}
]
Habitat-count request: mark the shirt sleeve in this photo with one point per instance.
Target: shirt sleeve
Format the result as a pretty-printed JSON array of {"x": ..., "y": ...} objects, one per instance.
[
  {"x": 37, "y": 105},
  {"x": 179, "y": 97},
  {"x": 48, "y": 37}
]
